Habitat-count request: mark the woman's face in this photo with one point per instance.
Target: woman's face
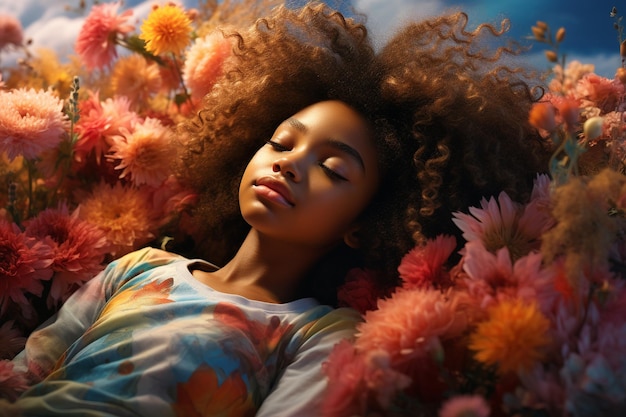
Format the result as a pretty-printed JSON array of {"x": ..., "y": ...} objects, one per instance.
[{"x": 312, "y": 179}]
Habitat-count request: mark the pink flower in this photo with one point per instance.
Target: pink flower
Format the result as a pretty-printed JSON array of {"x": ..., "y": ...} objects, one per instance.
[
  {"x": 601, "y": 92},
  {"x": 424, "y": 265},
  {"x": 24, "y": 264},
  {"x": 11, "y": 32},
  {"x": 172, "y": 197},
  {"x": 465, "y": 406},
  {"x": 97, "y": 38},
  {"x": 497, "y": 224},
  {"x": 145, "y": 152},
  {"x": 204, "y": 62},
  {"x": 30, "y": 122},
  {"x": 11, "y": 340},
  {"x": 99, "y": 122},
  {"x": 412, "y": 323},
  {"x": 360, "y": 290},
  {"x": 12, "y": 383},
  {"x": 78, "y": 249}
]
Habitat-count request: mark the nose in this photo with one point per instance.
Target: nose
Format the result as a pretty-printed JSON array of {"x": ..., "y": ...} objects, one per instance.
[{"x": 288, "y": 167}]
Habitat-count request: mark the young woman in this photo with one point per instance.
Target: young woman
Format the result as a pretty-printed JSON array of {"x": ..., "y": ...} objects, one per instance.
[{"x": 312, "y": 155}]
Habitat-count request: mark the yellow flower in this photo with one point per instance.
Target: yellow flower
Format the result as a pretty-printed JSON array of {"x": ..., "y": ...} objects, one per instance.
[
  {"x": 514, "y": 336},
  {"x": 166, "y": 29}
]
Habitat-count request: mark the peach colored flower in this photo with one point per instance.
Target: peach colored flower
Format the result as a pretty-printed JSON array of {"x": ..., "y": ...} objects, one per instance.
[
  {"x": 136, "y": 78},
  {"x": 98, "y": 36},
  {"x": 424, "y": 265},
  {"x": 167, "y": 29},
  {"x": 30, "y": 122},
  {"x": 11, "y": 31},
  {"x": 543, "y": 116},
  {"x": 125, "y": 214},
  {"x": 172, "y": 197},
  {"x": 24, "y": 264},
  {"x": 412, "y": 323},
  {"x": 145, "y": 153},
  {"x": 603, "y": 93},
  {"x": 78, "y": 249},
  {"x": 514, "y": 337},
  {"x": 204, "y": 63}
]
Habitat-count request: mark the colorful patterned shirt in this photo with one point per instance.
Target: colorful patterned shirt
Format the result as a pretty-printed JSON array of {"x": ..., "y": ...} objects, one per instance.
[{"x": 146, "y": 338}]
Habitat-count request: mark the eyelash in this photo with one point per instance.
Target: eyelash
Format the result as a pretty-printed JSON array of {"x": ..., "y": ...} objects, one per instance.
[{"x": 333, "y": 175}]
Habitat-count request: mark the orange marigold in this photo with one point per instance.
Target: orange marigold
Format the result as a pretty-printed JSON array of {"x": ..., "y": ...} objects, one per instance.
[
  {"x": 167, "y": 29},
  {"x": 514, "y": 337}
]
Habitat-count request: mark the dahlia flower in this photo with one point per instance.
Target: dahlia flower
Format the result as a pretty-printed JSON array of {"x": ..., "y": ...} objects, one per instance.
[
  {"x": 97, "y": 38},
  {"x": 167, "y": 29},
  {"x": 144, "y": 153},
  {"x": 204, "y": 63},
  {"x": 24, "y": 264},
  {"x": 11, "y": 32},
  {"x": 78, "y": 249},
  {"x": 30, "y": 122},
  {"x": 11, "y": 340},
  {"x": 424, "y": 265},
  {"x": 136, "y": 78},
  {"x": 125, "y": 214}
]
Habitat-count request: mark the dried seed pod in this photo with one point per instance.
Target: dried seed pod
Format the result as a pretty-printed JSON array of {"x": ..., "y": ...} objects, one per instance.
[
  {"x": 551, "y": 56},
  {"x": 560, "y": 35}
]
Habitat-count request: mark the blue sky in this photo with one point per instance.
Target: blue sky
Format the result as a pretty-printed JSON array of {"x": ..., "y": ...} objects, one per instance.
[{"x": 591, "y": 37}]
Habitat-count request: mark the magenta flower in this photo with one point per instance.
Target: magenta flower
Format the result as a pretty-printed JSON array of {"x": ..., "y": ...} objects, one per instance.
[
  {"x": 97, "y": 39},
  {"x": 78, "y": 249},
  {"x": 24, "y": 264}
]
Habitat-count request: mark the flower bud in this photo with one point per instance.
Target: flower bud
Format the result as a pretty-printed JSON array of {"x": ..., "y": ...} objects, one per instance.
[
  {"x": 542, "y": 25},
  {"x": 539, "y": 33},
  {"x": 542, "y": 116},
  {"x": 620, "y": 74},
  {"x": 560, "y": 35},
  {"x": 593, "y": 127},
  {"x": 552, "y": 56}
]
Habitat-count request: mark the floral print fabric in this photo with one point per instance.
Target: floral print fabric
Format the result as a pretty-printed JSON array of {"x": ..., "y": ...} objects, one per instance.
[{"x": 146, "y": 338}]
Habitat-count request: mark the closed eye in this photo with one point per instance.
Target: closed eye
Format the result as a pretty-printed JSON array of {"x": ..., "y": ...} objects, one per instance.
[
  {"x": 277, "y": 146},
  {"x": 333, "y": 175}
]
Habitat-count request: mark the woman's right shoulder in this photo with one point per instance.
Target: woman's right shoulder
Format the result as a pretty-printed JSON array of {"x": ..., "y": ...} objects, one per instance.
[{"x": 141, "y": 260}]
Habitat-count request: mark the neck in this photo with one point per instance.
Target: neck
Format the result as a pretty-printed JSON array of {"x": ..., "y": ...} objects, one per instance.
[{"x": 273, "y": 268}]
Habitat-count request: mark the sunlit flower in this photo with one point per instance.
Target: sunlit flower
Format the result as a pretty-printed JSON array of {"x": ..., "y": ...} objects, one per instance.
[
  {"x": 514, "y": 337},
  {"x": 30, "y": 122},
  {"x": 11, "y": 340},
  {"x": 144, "y": 152},
  {"x": 78, "y": 249},
  {"x": 24, "y": 264},
  {"x": 204, "y": 62},
  {"x": 410, "y": 323},
  {"x": 136, "y": 78},
  {"x": 167, "y": 29},
  {"x": 124, "y": 214},
  {"x": 465, "y": 406},
  {"x": 12, "y": 383},
  {"x": 11, "y": 32},
  {"x": 98, "y": 36},
  {"x": 424, "y": 265}
]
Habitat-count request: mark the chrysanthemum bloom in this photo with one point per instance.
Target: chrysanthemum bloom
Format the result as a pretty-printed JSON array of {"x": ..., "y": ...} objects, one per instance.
[
  {"x": 514, "y": 337},
  {"x": 167, "y": 29},
  {"x": 24, "y": 264},
  {"x": 497, "y": 224},
  {"x": 124, "y": 214},
  {"x": 11, "y": 32},
  {"x": 145, "y": 153},
  {"x": 12, "y": 383},
  {"x": 11, "y": 340},
  {"x": 97, "y": 38},
  {"x": 99, "y": 121},
  {"x": 465, "y": 406},
  {"x": 204, "y": 63},
  {"x": 30, "y": 122},
  {"x": 78, "y": 249},
  {"x": 424, "y": 265},
  {"x": 136, "y": 78},
  {"x": 410, "y": 323}
]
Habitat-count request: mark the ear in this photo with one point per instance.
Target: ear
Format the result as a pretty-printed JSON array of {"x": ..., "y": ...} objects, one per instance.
[{"x": 351, "y": 237}]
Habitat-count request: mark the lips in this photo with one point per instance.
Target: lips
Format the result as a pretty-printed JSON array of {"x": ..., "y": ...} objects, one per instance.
[{"x": 274, "y": 190}]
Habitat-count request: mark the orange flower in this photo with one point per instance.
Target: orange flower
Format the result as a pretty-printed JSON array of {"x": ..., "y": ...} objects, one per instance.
[
  {"x": 166, "y": 30},
  {"x": 542, "y": 116},
  {"x": 135, "y": 78},
  {"x": 513, "y": 337}
]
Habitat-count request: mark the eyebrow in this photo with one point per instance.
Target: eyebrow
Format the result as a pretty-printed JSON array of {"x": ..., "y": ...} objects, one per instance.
[{"x": 337, "y": 144}]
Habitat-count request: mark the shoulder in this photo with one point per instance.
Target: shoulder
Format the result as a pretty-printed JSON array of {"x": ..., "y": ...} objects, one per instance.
[
  {"x": 142, "y": 260},
  {"x": 340, "y": 320}
]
